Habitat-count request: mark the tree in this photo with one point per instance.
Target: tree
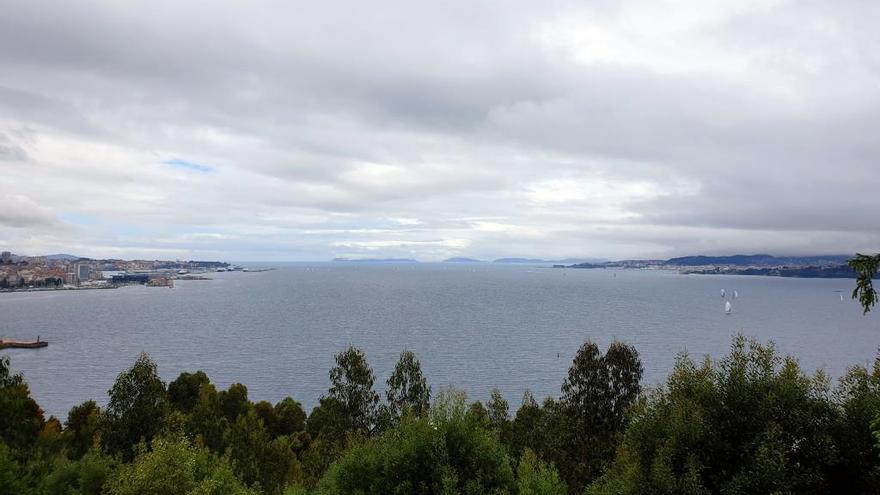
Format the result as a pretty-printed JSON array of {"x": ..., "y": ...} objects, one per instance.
[
  {"x": 408, "y": 391},
  {"x": 534, "y": 477},
  {"x": 291, "y": 418},
  {"x": 498, "y": 410},
  {"x": 85, "y": 476},
  {"x": 11, "y": 479},
  {"x": 596, "y": 397},
  {"x": 183, "y": 392},
  {"x": 258, "y": 460},
  {"x": 21, "y": 419},
  {"x": 352, "y": 386},
  {"x": 234, "y": 402},
  {"x": 206, "y": 422},
  {"x": 81, "y": 428},
  {"x": 751, "y": 423},
  {"x": 854, "y": 431},
  {"x": 266, "y": 414},
  {"x": 866, "y": 267},
  {"x": 526, "y": 429},
  {"x": 137, "y": 406},
  {"x": 327, "y": 426},
  {"x": 442, "y": 453},
  {"x": 175, "y": 467}
]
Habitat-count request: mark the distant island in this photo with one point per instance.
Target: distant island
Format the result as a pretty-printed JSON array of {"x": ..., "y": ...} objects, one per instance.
[
  {"x": 374, "y": 260},
  {"x": 462, "y": 260},
  {"x": 538, "y": 261}
]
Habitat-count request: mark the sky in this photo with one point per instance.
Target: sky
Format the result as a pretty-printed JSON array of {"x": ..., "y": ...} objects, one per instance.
[{"x": 284, "y": 130}]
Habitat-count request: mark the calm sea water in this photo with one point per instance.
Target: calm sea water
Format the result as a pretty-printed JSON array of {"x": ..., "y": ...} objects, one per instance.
[{"x": 474, "y": 326}]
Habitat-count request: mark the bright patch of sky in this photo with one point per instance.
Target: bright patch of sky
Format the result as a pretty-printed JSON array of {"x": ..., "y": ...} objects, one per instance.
[{"x": 190, "y": 166}]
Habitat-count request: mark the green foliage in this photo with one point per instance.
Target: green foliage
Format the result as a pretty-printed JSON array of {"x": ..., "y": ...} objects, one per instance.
[
  {"x": 85, "y": 476},
  {"x": 596, "y": 398},
  {"x": 290, "y": 417},
  {"x": 753, "y": 423},
  {"x": 866, "y": 267},
  {"x": 21, "y": 419},
  {"x": 498, "y": 410},
  {"x": 81, "y": 430},
  {"x": 478, "y": 415},
  {"x": 408, "y": 391},
  {"x": 137, "y": 406},
  {"x": 526, "y": 429},
  {"x": 750, "y": 423},
  {"x": 175, "y": 467},
  {"x": 234, "y": 402},
  {"x": 443, "y": 453},
  {"x": 534, "y": 477},
  {"x": 352, "y": 387},
  {"x": 10, "y": 472},
  {"x": 855, "y": 431},
  {"x": 329, "y": 421},
  {"x": 183, "y": 392},
  {"x": 266, "y": 414},
  {"x": 258, "y": 460},
  {"x": 206, "y": 423}
]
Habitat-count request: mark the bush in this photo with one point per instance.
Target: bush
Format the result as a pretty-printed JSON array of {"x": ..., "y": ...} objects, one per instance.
[
  {"x": 175, "y": 467},
  {"x": 445, "y": 453}
]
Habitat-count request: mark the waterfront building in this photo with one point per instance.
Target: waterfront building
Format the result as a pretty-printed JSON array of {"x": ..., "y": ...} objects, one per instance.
[{"x": 81, "y": 271}]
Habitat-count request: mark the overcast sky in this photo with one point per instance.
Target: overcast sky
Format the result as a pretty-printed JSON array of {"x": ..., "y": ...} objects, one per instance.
[{"x": 253, "y": 130}]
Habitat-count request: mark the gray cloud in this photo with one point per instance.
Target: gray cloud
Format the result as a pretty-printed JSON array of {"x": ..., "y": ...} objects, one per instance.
[{"x": 396, "y": 129}]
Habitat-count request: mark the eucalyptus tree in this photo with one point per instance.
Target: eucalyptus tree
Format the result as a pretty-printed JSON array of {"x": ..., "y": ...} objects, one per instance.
[
  {"x": 596, "y": 397},
  {"x": 408, "y": 390},
  {"x": 137, "y": 407},
  {"x": 351, "y": 384}
]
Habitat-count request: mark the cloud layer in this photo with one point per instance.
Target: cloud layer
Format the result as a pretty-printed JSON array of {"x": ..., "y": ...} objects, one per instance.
[{"x": 298, "y": 131}]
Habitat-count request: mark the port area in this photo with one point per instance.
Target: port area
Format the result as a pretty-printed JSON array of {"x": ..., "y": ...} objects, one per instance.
[{"x": 22, "y": 344}]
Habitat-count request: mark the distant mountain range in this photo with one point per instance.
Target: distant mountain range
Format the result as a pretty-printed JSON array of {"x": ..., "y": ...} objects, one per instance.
[
  {"x": 62, "y": 257},
  {"x": 759, "y": 260}
]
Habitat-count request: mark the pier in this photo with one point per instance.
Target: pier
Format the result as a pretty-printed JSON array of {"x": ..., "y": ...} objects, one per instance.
[{"x": 22, "y": 344}]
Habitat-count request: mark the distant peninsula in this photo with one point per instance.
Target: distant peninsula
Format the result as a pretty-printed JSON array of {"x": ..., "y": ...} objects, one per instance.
[
  {"x": 462, "y": 260},
  {"x": 821, "y": 266}
]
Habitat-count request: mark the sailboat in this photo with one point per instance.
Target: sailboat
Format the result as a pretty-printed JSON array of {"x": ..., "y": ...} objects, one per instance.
[
  {"x": 722, "y": 293},
  {"x": 841, "y": 298},
  {"x": 727, "y": 307},
  {"x": 735, "y": 294}
]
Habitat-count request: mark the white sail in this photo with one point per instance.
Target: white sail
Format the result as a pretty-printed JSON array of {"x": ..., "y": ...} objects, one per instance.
[
  {"x": 735, "y": 294},
  {"x": 727, "y": 307},
  {"x": 722, "y": 292},
  {"x": 841, "y": 298}
]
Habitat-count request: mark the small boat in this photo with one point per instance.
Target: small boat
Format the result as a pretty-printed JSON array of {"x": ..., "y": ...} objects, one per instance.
[
  {"x": 841, "y": 298},
  {"x": 723, "y": 293},
  {"x": 735, "y": 294},
  {"x": 727, "y": 307}
]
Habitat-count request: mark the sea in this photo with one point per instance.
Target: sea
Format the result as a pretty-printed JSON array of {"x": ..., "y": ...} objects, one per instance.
[{"x": 473, "y": 326}]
